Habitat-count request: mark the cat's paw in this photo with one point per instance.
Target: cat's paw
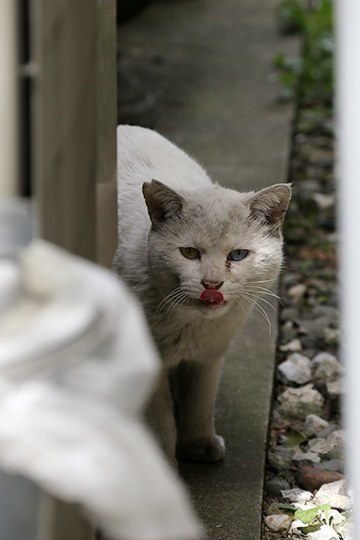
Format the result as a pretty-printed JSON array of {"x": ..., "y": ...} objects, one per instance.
[{"x": 204, "y": 450}]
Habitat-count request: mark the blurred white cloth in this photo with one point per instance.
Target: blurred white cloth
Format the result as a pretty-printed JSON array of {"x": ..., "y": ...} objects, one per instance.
[{"x": 76, "y": 365}]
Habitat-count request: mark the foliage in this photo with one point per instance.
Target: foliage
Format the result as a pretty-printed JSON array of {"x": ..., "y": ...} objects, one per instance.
[
  {"x": 308, "y": 517},
  {"x": 309, "y": 77}
]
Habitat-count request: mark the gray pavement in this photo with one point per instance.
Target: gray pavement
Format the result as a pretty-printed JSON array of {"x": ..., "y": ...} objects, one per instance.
[{"x": 210, "y": 62}]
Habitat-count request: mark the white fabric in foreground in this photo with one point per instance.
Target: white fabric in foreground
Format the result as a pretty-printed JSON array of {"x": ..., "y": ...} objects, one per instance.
[{"x": 77, "y": 364}]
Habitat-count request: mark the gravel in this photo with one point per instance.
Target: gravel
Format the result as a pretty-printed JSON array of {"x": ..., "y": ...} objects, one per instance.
[{"x": 307, "y": 443}]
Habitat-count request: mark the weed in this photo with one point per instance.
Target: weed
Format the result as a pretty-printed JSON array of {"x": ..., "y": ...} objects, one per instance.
[{"x": 308, "y": 78}]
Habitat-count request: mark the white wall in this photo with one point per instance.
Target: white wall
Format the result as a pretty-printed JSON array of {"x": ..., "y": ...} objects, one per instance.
[{"x": 348, "y": 111}]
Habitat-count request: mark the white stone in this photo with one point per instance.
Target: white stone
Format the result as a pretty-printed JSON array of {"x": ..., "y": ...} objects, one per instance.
[
  {"x": 296, "y": 495},
  {"x": 306, "y": 456},
  {"x": 300, "y": 402},
  {"x": 332, "y": 447},
  {"x": 346, "y": 529},
  {"x": 319, "y": 446},
  {"x": 335, "y": 388},
  {"x": 332, "y": 335},
  {"x": 337, "y": 442},
  {"x": 296, "y": 528},
  {"x": 307, "y": 505},
  {"x": 296, "y": 369},
  {"x": 324, "y": 200},
  {"x": 278, "y": 522},
  {"x": 334, "y": 494},
  {"x": 292, "y": 346},
  {"x": 326, "y": 367},
  {"x": 336, "y": 517},
  {"x": 296, "y": 292},
  {"x": 324, "y": 533},
  {"x": 314, "y": 424}
]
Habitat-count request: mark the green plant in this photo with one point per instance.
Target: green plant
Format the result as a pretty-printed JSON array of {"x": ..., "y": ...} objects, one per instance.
[
  {"x": 308, "y": 78},
  {"x": 312, "y": 516}
]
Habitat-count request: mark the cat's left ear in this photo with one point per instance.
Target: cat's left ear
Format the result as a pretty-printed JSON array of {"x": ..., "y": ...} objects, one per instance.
[
  {"x": 270, "y": 204},
  {"x": 162, "y": 202}
]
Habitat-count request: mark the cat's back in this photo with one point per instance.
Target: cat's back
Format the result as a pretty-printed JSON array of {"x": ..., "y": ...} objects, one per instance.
[{"x": 144, "y": 154}]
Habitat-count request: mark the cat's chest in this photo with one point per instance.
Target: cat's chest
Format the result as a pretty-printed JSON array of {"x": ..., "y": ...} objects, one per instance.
[{"x": 192, "y": 341}]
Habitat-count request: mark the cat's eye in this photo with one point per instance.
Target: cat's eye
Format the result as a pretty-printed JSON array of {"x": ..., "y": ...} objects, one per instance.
[
  {"x": 238, "y": 254},
  {"x": 190, "y": 252}
]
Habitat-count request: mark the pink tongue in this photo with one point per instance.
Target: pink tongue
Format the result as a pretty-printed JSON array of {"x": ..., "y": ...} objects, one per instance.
[{"x": 211, "y": 296}]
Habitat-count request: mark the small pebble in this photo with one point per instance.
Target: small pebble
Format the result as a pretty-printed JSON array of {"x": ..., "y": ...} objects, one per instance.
[
  {"x": 332, "y": 336},
  {"x": 324, "y": 433},
  {"x": 280, "y": 457},
  {"x": 324, "y": 533},
  {"x": 296, "y": 495},
  {"x": 346, "y": 530},
  {"x": 324, "y": 201},
  {"x": 274, "y": 486},
  {"x": 306, "y": 456},
  {"x": 334, "y": 494},
  {"x": 296, "y": 369},
  {"x": 314, "y": 424},
  {"x": 326, "y": 367},
  {"x": 296, "y": 292},
  {"x": 319, "y": 446},
  {"x": 278, "y": 522},
  {"x": 331, "y": 448},
  {"x": 289, "y": 314},
  {"x": 312, "y": 478},
  {"x": 336, "y": 465},
  {"x": 337, "y": 445},
  {"x": 299, "y": 402},
  {"x": 336, "y": 517},
  {"x": 335, "y": 388},
  {"x": 292, "y": 346}
]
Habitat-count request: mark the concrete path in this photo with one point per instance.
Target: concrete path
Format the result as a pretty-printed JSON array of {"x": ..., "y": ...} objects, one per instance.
[{"x": 210, "y": 61}]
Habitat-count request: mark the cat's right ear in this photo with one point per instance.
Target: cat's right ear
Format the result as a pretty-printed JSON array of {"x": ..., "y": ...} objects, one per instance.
[
  {"x": 269, "y": 205},
  {"x": 162, "y": 202}
]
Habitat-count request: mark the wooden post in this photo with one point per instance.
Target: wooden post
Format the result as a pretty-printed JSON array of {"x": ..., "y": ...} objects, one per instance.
[
  {"x": 74, "y": 123},
  {"x": 74, "y": 156}
]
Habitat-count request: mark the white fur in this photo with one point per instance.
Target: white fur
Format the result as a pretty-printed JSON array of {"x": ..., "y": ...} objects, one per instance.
[{"x": 214, "y": 220}]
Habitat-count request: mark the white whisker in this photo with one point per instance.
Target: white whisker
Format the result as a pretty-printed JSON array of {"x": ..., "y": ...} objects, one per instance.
[
  {"x": 177, "y": 301},
  {"x": 260, "y": 281},
  {"x": 173, "y": 295},
  {"x": 264, "y": 290},
  {"x": 254, "y": 295},
  {"x": 261, "y": 310}
]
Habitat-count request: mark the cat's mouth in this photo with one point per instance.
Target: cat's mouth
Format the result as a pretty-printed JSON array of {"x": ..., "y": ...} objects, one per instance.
[{"x": 212, "y": 298}]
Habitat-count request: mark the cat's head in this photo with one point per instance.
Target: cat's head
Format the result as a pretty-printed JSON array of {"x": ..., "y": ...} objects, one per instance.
[{"x": 214, "y": 239}]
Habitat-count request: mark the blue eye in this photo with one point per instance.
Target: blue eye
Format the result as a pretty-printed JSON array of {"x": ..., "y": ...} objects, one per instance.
[{"x": 238, "y": 254}]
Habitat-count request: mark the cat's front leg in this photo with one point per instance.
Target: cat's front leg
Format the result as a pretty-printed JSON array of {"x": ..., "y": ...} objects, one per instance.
[
  {"x": 196, "y": 386},
  {"x": 160, "y": 417}
]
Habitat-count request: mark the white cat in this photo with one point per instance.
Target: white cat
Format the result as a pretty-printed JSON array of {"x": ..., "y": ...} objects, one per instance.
[{"x": 197, "y": 255}]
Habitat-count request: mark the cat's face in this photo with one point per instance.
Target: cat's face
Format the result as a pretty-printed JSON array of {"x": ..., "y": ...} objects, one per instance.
[{"x": 216, "y": 249}]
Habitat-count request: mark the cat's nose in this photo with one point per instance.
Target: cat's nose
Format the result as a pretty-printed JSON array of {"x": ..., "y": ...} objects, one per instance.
[{"x": 211, "y": 284}]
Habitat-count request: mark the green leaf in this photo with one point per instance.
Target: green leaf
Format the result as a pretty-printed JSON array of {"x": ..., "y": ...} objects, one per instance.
[
  {"x": 308, "y": 516},
  {"x": 294, "y": 438},
  {"x": 287, "y": 507}
]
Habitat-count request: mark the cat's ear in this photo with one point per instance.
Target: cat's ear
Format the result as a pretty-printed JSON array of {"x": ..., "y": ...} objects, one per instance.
[
  {"x": 162, "y": 202},
  {"x": 269, "y": 205}
]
